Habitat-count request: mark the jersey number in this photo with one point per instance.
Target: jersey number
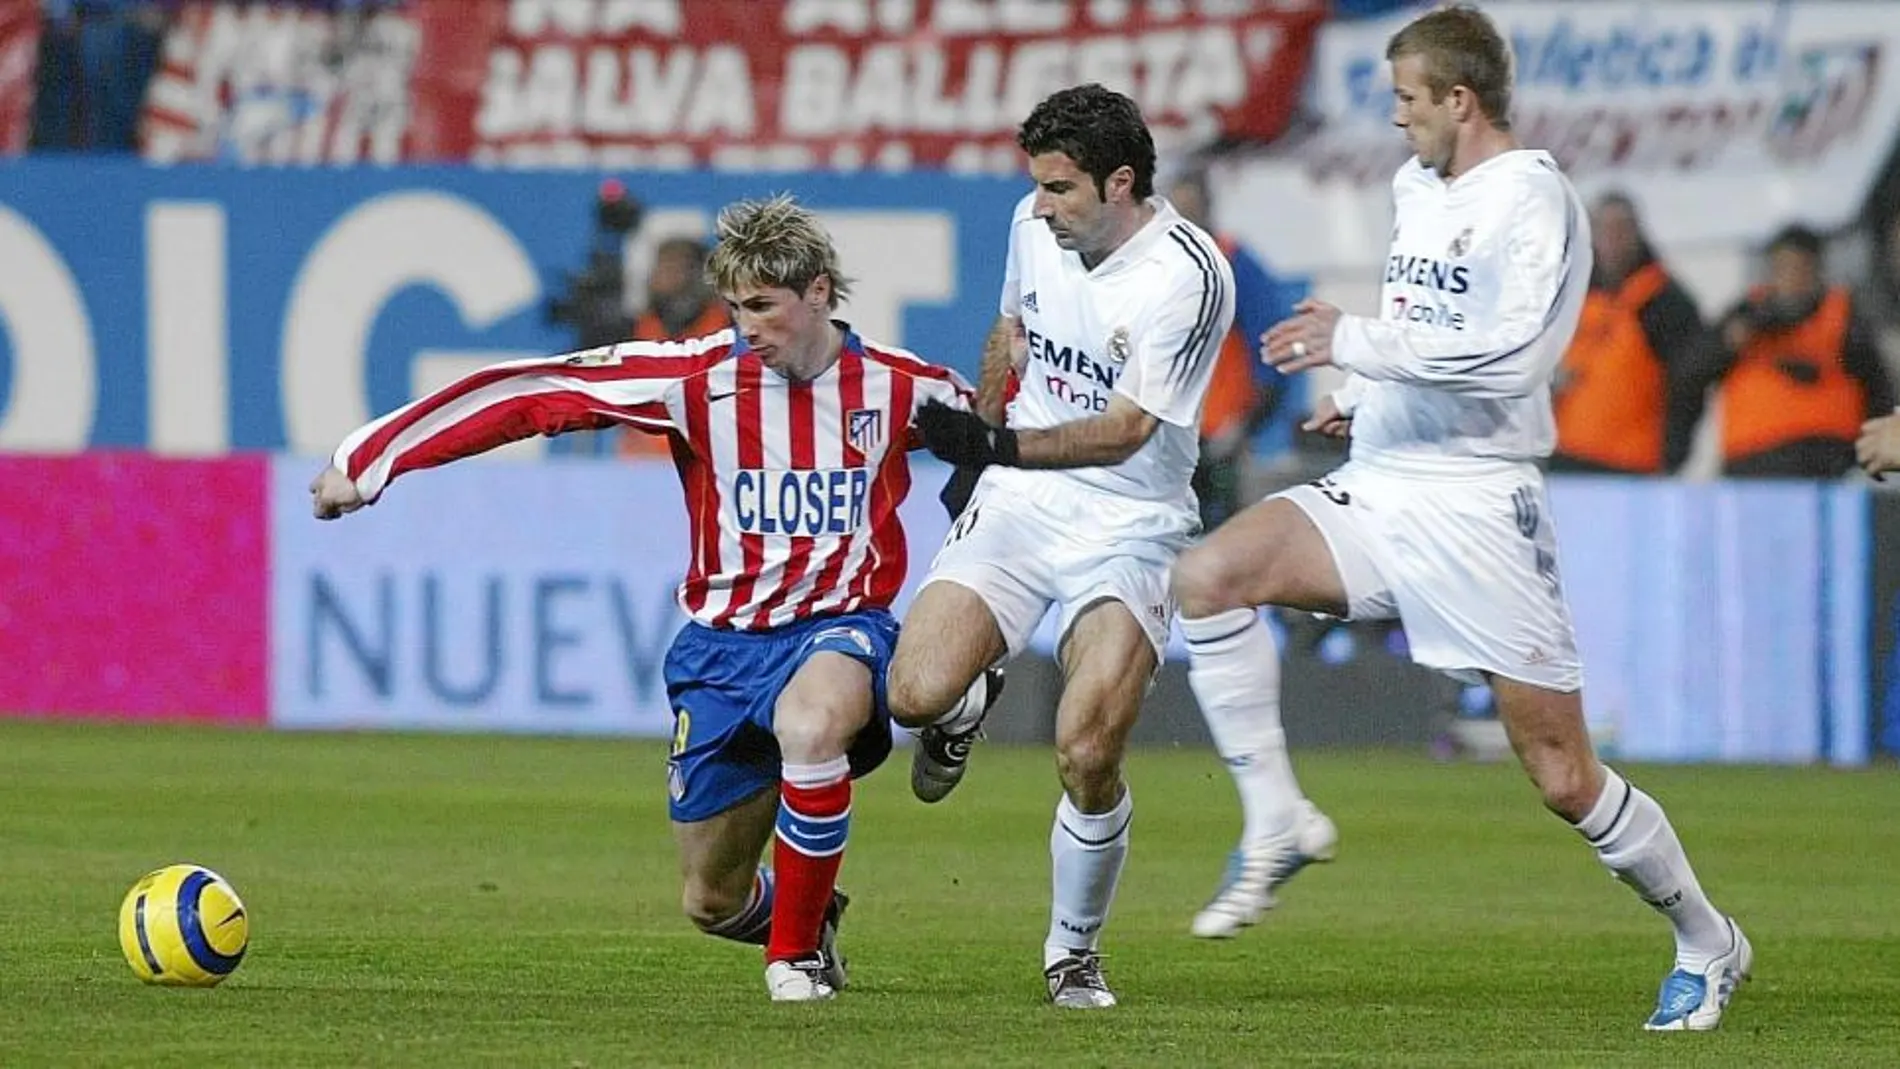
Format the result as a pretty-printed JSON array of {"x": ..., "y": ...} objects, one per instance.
[
  {"x": 682, "y": 729},
  {"x": 1332, "y": 493}
]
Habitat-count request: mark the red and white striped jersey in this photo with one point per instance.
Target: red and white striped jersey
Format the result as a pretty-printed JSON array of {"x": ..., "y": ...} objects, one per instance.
[{"x": 791, "y": 488}]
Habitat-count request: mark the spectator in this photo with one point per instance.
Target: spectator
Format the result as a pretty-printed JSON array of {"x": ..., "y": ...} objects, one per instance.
[
  {"x": 1611, "y": 392},
  {"x": 1245, "y": 394},
  {"x": 680, "y": 304},
  {"x": 1798, "y": 370},
  {"x": 96, "y": 58}
]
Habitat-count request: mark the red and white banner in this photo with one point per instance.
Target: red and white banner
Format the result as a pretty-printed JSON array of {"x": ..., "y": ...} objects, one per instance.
[
  {"x": 729, "y": 84},
  {"x": 276, "y": 84},
  {"x": 19, "y": 66}
]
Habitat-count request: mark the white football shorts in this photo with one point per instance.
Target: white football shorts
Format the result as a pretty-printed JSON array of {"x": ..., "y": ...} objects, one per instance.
[
  {"x": 1024, "y": 550},
  {"x": 1466, "y": 563}
]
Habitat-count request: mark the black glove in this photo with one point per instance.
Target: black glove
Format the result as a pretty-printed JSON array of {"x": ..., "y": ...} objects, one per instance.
[
  {"x": 958, "y": 489},
  {"x": 965, "y": 438}
]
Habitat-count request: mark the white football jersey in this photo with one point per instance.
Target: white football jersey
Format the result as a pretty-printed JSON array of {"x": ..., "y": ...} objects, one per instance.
[
  {"x": 1485, "y": 280},
  {"x": 1146, "y": 323}
]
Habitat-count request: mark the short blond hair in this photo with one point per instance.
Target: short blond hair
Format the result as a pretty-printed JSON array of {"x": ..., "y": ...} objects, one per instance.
[
  {"x": 773, "y": 242},
  {"x": 1460, "y": 45}
]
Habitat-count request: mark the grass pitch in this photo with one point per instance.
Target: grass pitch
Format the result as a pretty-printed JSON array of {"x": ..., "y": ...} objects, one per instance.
[{"x": 503, "y": 901}]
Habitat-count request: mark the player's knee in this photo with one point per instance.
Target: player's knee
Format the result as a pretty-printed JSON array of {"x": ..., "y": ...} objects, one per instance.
[
  {"x": 708, "y": 905},
  {"x": 913, "y": 701},
  {"x": 1089, "y": 764},
  {"x": 809, "y": 732},
  {"x": 1203, "y": 585},
  {"x": 1569, "y": 786}
]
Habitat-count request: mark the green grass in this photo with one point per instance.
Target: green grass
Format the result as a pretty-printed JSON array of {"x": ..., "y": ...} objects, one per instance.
[{"x": 501, "y": 901}]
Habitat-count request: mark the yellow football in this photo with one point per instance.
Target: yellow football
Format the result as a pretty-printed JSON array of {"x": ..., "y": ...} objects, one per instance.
[{"x": 183, "y": 925}]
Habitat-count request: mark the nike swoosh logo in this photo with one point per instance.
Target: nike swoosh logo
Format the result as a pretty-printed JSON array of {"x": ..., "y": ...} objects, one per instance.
[{"x": 715, "y": 398}]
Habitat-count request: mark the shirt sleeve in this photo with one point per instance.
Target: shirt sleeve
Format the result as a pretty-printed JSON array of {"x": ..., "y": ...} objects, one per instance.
[
  {"x": 931, "y": 382},
  {"x": 613, "y": 385},
  {"x": 1011, "y": 302},
  {"x": 1515, "y": 352},
  {"x": 1169, "y": 359},
  {"x": 1349, "y": 393}
]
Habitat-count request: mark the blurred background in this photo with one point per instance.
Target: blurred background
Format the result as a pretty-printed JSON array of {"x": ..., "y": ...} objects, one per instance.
[{"x": 230, "y": 232}]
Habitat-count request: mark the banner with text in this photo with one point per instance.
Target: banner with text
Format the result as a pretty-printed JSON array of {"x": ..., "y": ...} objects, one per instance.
[
  {"x": 1726, "y": 120},
  {"x": 494, "y": 598},
  {"x": 725, "y": 84},
  {"x": 196, "y": 310},
  {"x": 281, "y": 84}
]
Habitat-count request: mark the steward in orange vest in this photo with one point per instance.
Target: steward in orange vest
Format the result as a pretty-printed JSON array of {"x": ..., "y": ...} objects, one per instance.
[
  {"x": 680, "y": 304},
  {"x": 1799, "y": 372},
  {"x": 1611, "y": 394}
]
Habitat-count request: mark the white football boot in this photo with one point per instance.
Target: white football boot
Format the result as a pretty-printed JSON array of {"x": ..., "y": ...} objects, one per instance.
[
  {"x": 1693, "y": 1002},
  {"x": 1246, "y": 891},
  {"x": 799, "y": 981}
]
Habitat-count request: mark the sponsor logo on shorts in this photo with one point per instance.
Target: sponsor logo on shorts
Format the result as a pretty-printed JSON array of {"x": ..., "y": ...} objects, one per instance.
[
  {"x": 849, "y": 634},
  {"x": 675, "y": 781}
]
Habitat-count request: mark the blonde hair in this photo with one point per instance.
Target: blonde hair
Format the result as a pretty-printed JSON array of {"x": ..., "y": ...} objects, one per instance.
[{"x": 773, "y": 242}]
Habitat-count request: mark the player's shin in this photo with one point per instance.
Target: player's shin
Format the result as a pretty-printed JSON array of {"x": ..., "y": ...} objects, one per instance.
[
  {"x": 1234, "y": 671},
  {"x": 753, "y": 922},
  {"x": 814, "y": 819},
  {"x": 1634, "y": 840},
  {"x": 1087, "y": 851}
]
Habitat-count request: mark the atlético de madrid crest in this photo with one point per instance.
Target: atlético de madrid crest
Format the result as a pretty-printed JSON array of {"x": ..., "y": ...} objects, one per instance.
[{"x": 864, "y": 429}]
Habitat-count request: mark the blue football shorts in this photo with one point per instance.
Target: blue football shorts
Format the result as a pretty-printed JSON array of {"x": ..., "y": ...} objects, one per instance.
[{"x": 723, "y": 686}]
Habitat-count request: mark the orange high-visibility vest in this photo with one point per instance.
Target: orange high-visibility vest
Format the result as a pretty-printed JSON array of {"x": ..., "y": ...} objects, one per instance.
[
  {"x": 712, "y": 319},
  {"x": 1231, "y": 390},
  {"x": 1763, "y": 407},
  {"x": 1611, "y": 412}
]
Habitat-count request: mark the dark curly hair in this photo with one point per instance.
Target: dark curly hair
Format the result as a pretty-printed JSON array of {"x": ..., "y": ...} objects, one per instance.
[{"x": 1098, "y": 128}]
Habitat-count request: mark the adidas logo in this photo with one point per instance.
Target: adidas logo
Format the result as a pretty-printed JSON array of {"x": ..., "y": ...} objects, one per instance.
[{"x": 1029, "y": 301}]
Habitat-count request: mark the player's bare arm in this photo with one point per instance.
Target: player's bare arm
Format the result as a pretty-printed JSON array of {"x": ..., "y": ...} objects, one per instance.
[
  {"x": 964, "y": 438},
  {"x": 1003, "y": 353}
]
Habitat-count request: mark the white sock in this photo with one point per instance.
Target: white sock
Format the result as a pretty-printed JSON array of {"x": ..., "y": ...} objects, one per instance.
[
  {"x": 1234, "y": 668},
  {"x": 1086, "y": 851},
  {"x": 1634, "y": 841},
  {"x": 968, "y": 709}
]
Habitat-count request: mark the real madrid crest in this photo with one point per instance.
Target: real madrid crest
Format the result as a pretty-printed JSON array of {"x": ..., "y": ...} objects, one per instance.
[
  {"x": 1461, "y": 244},
  {"x": 1118, "y": 346}
]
